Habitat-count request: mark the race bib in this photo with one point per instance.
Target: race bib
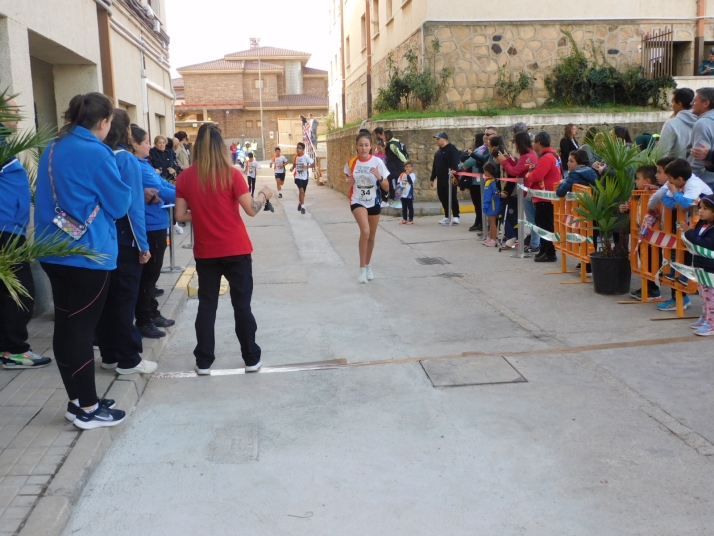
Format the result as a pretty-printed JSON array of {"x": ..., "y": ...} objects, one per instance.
[{"x": 366, "y": 194}]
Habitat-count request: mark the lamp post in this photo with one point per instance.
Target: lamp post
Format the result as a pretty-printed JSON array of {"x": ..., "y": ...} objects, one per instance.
[{"x": 255, "y": 42}]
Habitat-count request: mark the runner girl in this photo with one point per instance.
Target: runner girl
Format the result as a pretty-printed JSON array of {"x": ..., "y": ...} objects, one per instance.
[
  {"x": 365, "y": 173},
  {"x": 278, "y": 164},
  {"x": 302, "y": 163}
]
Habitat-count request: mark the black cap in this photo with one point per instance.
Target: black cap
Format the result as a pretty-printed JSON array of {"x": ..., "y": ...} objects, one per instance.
[{"x": 443, "y": 135}]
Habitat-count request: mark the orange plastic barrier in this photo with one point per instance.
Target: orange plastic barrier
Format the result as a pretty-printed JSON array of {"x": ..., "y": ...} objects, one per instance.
[
  {"x": 663, "y": 242},
  {"x": 576, "y": 239}
]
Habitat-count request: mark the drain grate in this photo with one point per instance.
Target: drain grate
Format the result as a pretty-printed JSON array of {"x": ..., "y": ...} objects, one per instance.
[
  {"x": 471, "y": 371},
  {"x": 429, "y": 261}
]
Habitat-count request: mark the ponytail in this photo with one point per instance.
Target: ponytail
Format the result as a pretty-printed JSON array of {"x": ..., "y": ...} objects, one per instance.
[
  {"x": 86, "y": 111},
  {"x": 138, "y": 135},
  {"x": 118, "y": 133}
]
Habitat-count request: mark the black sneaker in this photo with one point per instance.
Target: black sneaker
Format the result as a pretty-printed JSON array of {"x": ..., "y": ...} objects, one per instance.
[
  {"x": 546, "y": 258},
  {"x": 475, "y": 227},
  {"x": 269, "y": 206},
  {"x": 531, "y": 249},
  {"x": 158, "y": 292},
  {"x": 162, "y": 322},
  {"x": 302, "y": 211},
  {"x": 72, "y": 408},
  {"x": 102, "y": 416},
  {"x": 280, "y": 195},
  {"x": 299, "y": 207},
  {"x": 151, "y": 332}
]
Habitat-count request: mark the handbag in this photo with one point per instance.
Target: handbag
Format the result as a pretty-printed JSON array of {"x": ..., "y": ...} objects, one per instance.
[{"x": 73, "y": 227}]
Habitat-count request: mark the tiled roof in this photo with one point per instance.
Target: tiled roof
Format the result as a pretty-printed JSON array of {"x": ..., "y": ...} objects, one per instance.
[
  {"x": 312, "y": 70},
  {"x": 291, "y": 100},
  {"x": 231, "y": 65},
  {"x": 177, "y": 83},
  {"x": 180, "y": 95},
  {"x": 266, "y": 52}
]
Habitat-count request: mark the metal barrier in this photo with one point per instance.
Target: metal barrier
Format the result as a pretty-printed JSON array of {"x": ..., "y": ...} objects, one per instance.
[
  {"x": 171, "y": 268},
  {"x": 576, "y": 238},
  {"x": 189, "y": 246},
  {"x": 662, "y": 242}
]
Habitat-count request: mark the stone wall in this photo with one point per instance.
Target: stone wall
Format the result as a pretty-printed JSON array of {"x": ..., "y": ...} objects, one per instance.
[
  {"x": 315, "y": 86},
  {"x": 418, "y": 134},
  {"x": 252, "y": 93}
]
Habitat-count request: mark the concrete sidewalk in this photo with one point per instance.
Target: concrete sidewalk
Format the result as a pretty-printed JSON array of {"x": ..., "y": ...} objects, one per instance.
[{"x": 44, "y": 460}]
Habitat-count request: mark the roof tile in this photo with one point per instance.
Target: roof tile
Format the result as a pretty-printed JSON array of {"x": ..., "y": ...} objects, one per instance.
[
  {"x": 292, "y": 100},
  {"x": 267, "y": 52}
]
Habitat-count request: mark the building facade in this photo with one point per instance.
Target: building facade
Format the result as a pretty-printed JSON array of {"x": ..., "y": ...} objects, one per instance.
[
  {"x": 227, "y": 92},
  {"x": 475, "y": 40},
  {"x": 51, "y": 50}
]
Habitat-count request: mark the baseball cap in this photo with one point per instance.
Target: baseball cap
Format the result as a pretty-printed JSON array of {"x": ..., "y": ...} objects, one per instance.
[{"x": 443, "y": 135}]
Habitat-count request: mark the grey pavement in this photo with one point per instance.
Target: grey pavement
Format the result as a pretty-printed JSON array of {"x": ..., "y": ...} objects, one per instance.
[
  {"x": 606, "y": 430},
  {"x": 35, "y": 438}
]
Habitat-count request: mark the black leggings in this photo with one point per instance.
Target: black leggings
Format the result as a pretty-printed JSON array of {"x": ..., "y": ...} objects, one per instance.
[
  {"x": 544, "y": 220},
  {"x": 147, "y": 306},
  {"x": 251, "y": 185},
  {"x": 13, "y": 318},
  {"x": 79, "y": 295},
  {"x": 408, "y": 209},
  {"x": 475, "y": 191}
]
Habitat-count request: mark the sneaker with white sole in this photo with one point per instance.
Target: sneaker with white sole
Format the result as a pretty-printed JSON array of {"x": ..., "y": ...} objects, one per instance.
[
  {"x": 699, "y": 323},
  {"x": 72, "y": 408},
  {"x": 671, "y": 305},
  {"x": 202, "y": 371},
  {"x": 109, "y": 366},
  {"x": 362, "y": 275},
  {"x": 705, "y": 331},
  {"x": 370, "y": 275},
  {"x": 443, "y": 221},
  {"x": 145, "y": 367},
  {"x": 254, "y": 368},
  {"x": 100, "y": 417},
  {"x": 455, "y": 221},
  {"x": 25, "y": 360},
  {"x": 178, "y": 229}
]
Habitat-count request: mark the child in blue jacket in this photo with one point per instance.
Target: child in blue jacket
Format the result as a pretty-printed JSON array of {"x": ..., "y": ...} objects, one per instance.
[{"x": 491, "y": 203}]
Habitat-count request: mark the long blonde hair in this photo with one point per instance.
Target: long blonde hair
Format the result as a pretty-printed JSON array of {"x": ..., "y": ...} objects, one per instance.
[{"x": 212, "y": 160}]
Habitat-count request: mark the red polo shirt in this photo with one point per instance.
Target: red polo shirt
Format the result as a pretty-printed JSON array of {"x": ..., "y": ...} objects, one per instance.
[{"x": 218, "y": 229}]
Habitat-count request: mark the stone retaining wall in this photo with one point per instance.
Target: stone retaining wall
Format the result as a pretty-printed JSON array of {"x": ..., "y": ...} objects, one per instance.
[{"x": 418, "y": 134}]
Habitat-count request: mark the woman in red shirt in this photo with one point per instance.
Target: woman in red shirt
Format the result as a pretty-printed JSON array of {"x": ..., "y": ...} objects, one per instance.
[{"x": 214, "y": 189}]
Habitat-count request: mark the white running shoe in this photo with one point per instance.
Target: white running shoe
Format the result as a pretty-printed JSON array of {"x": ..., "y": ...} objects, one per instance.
[
  {"x": 444, "y": 221},
  {"x": 145, "y": 367},
  {"x": 254, "y": 368},
  {"x": 370, "y": 275},
  {"x": 178, "y": 229},
  {"x": 109, "y": 366},
  {"x": 362, "y": 275},
  {"x": 455, "y": 221},
  {"x": 203, "y": 371}
]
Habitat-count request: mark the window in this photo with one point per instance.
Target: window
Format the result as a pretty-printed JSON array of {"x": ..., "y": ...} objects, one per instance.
[
  {"x": 258, "y": 124},
  {"x": 375, "y": 17},
  {"x": 249, "y": 124},
  {"x": 363, "y": 32},
  {"x": 347, "y": 52},
  {"x": 389, "y": 9},
  {"x": 257, "y": 84}
]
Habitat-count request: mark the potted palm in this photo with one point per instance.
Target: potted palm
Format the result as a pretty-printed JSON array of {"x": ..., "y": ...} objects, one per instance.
[
  {"x": 27, "y": 145},
  {"x": 610, "y": 264}
]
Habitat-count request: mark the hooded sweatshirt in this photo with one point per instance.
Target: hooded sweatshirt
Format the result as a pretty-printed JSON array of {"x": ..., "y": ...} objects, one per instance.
[
  {"x": 703, "y": 132},
  {"x": 584, "y": 175},
  {"x": 677, "y": 134},
  {"x": 157, "y": 217},
  {"x": 546, "y": 173},
  {"x": 15, "y": 195},
  {"x": 85, "y": 175}
]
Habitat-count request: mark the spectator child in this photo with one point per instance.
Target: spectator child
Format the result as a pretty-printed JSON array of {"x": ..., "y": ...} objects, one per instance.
[
  {"x": 580, "y": 172},
  {"x": 405, "y": 186},
  {"x": 251, "y": 167},
  {"x": 491, "y": 203},
  {"x": 703, "y": 236},
  {"x": 684, "y": 187}
]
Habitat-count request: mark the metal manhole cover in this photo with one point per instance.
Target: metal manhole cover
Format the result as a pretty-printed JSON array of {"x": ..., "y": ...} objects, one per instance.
[
  {"x": 470, "y": 371},
  {"x": 427, "y": 261}
]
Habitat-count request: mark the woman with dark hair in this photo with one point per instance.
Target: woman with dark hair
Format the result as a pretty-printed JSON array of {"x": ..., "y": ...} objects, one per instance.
[
  {"x": 622, "y": 133},
  {"x": 569, "y": 143},
  {"x": 148, "y": 316},
  {"x": 526, "y": 162},
  {"x": 79, "y": 190},
  {"x": 118, "y": 337},
  {"x": 222, "y": 246}
]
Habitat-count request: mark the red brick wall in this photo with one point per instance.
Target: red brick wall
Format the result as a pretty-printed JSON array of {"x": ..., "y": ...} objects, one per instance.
[
  {"x": 233, "y": 124},
  {"x": 315, "y": 86},
  {"x": 270, "y": 87},
  {"x": 213, "y": 88}
]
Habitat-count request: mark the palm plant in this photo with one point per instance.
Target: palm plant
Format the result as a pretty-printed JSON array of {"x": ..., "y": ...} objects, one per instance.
[
  {"x": 28, "y": 146},
  {"x": 614, "y": 188}
]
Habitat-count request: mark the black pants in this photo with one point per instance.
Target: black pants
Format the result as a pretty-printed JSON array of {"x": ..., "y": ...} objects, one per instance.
[
  {"x": 251, "y": 185},
  {"x": 408, "y": 209},
  {"x": 238, "y": 270},
  {"x": 147, "y": 308},
  {"x": 119, "y": 339},
  {"x": 442, "y": 189},
  {"x": 79, "y": 295},
  {"x": 544, "y": 220},
  {"x": 475, "y": 191},
  {"x": 13, "y": 318}
]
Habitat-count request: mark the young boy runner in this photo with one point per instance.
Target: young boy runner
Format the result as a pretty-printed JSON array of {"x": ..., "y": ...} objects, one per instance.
[
  {"x": 301, "y": 167},
  {"x": 406, "y": 183},
  {"x": 251, "y": 167},
  {"x": 278, "y": 164}
]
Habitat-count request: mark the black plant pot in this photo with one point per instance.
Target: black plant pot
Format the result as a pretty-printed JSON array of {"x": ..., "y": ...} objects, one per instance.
[{"x": 611, "y": 275}]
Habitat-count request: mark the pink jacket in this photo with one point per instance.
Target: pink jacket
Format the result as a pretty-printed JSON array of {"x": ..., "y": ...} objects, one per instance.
[{"x": 525, "y": 164}]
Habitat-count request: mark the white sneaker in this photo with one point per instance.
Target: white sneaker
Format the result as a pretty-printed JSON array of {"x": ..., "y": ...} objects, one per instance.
[
  {"x": 370, "y": 275},
  {"x": 362, "y": 275},
  {"x": 444, "y": 221},
  {"x": 254, "y": 368},
  {"x": 455, "y": 221},
  {"x": 178, "y": 229},
  {"x": 109, "y": 366},
  {"x": 145, "y": 367},
  {"x": 203, "y": 371},
  {"x": 385, "y": 204}
]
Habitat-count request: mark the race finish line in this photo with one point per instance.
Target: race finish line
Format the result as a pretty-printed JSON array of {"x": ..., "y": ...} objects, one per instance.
[{"x": 342, "y": 363}]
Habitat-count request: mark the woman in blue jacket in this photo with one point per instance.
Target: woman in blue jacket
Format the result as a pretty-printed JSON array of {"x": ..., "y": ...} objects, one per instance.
[
  {"x": 119, "y": 339},
  {"x": 148, "y": 317},
  {"x": 78, "y": 176}
]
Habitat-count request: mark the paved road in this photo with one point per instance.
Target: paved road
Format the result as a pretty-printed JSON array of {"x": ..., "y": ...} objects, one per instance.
[{"x": 599, "y": 440}]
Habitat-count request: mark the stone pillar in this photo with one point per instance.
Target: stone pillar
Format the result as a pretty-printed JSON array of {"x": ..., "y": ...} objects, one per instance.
[
  {"x": 71, "y": 80},
  {"x": 15, "y": 72}
]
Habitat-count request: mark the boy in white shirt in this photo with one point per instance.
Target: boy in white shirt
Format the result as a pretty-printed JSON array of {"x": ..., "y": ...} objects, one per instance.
[
  {"x": 278, "y": 164},
  {"x": 251, "y": 167},
  {"x": 301, "y": 167}
]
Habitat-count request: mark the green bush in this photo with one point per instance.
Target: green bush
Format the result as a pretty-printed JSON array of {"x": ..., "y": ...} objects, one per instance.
[
  {"x": 580, "y": 81},
  {"x": 510, "y": 89}
]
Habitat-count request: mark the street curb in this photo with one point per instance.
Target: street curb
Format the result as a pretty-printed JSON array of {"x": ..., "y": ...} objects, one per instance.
[{"x": 52, "y": 511}]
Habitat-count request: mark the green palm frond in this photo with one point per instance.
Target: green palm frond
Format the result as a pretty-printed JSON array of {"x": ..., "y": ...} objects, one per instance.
[
  {"x": 55, "y": 245},
  {"x": 8, "y": 114}
]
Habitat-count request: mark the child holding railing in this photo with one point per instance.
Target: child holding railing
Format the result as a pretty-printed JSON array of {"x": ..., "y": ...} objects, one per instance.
[{"x": 491, "y": 203}]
